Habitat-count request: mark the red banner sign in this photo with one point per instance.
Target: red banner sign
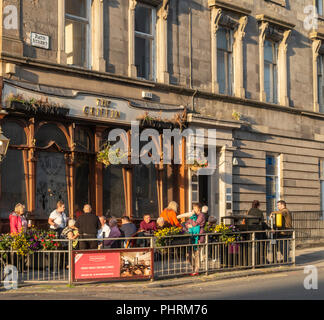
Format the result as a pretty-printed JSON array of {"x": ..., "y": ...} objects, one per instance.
[
  {"x": 96, "y": 265},
  {"x": 112, "y": 264}
]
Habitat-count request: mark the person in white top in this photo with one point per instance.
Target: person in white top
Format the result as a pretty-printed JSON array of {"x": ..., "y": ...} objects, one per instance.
[
  {"x": 105, "y": 229},
  {"x": 57, "y": 219}
]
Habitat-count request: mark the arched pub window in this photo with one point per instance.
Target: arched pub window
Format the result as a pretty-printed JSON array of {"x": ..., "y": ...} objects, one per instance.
[
  {"x": 114, "y": 202},
  {"x": 145, "y": 195},
  {"x": 12, "y": 169},
  {"x": 82, "y": 181},
  {"x": 51, "y": 184}
]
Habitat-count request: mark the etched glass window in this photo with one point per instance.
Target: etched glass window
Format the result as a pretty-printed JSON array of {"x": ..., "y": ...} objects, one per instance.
[
  {"x": 145, "y": 198},
  {"x": 12, "y": 171}
]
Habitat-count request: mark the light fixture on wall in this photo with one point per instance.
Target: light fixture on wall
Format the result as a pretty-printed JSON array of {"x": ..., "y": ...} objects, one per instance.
[{"x": 235, "y": 162}]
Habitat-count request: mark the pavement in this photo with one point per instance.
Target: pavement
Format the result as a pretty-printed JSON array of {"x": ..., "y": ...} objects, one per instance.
[{"x": 304, "y": 257}]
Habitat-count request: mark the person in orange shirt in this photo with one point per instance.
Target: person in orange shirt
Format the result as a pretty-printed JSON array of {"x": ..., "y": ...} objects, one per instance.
[{"x": 169, "y": 214}]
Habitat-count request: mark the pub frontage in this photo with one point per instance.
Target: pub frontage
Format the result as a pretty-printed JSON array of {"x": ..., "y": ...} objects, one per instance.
[{"x": 55, "y": 134}]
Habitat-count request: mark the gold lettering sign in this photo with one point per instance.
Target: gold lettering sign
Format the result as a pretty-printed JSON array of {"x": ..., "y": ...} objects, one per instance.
[{"x": 101, "y": 110}]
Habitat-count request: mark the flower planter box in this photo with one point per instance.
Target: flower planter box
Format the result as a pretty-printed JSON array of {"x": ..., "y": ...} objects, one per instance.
[
  {"x": 179, "y": 241},
  {"x": 37, "y": 108}
]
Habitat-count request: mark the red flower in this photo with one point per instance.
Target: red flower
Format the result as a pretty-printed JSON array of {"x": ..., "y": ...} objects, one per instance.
[{"x": 42, "y": 240}]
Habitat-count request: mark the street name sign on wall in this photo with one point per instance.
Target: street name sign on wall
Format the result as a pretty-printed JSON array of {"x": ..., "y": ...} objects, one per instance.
[{"x": 39, "y": 40}]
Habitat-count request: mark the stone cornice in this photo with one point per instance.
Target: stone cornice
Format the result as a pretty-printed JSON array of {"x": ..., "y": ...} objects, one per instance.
[
  {"x": 280, "y": 23},
  {"x": 316, "y": 36},
  {"x": 124, "y": 80},
  {"x": 212, "y": 122},
  {"x": 228, "y": 6}
]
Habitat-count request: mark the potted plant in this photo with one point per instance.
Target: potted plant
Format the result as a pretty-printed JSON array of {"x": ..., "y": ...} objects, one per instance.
[
  {"x": 34, "y": 106},
  {"x": 109, "y": 155},
  {"x": 162, "y": 236}
]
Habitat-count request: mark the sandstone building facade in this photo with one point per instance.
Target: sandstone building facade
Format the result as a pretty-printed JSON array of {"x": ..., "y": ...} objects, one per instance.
[{"x": 252, "y": 70}]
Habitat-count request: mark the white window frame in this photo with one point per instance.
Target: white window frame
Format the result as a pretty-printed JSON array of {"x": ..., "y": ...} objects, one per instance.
[
  {"x": 193, "y": 193},
  {"x": 151, "y": 37},
  {"x": 321, "y": 180},
  {"x": 229, "y": 54},
  {"x": 276, "y": 177},
  {"x": 319, "y": 4},
  {"x": 86, "y": 21},
  {"x": 274, "y": 83},
  {"x": 320, "y": 79}
]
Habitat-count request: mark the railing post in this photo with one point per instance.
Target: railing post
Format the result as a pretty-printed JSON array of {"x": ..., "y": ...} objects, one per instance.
[
  {"x": 294, "y": 249},
  {"x": 206, "y": 254},
  {"x": 253, "y": 250},
  {"x": 70, "y": 261},
  {"x": 152, "y": 252}
]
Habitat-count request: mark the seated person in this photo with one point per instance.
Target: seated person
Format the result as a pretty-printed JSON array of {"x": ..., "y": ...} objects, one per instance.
[
  {"x": 212, "y": 222},
  {"x": 71, "y": 232},
  {"x": 147, "y": 228},
  {"x": 114, "y": 233},
  {"x": 255, "y": 212},
  {"x": 161, "y": 224},
  {"x": 128, "y": 229}
]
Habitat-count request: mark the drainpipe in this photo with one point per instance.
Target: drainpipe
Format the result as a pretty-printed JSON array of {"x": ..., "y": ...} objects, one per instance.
[{"x": 193, "y": 101}]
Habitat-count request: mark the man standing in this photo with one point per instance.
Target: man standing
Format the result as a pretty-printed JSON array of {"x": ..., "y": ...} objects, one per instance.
[
  {"x": 286, "y": 215},
  {"x": 283, "y": 245},
  {"x": 88, "y": 225},
  {"x": 57, "y": 219}
]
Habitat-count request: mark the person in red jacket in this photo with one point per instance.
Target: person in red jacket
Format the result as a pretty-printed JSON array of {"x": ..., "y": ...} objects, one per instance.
[{"x": 17, "y": 220}]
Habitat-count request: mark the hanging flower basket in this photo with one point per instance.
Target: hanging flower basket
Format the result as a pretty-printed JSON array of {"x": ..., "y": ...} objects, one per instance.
[
  {"x": 198, "y": 165},
  {"x": 109, "y": 155}
]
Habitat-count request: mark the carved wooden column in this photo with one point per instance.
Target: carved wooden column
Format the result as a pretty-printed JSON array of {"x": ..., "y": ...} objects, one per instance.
[
  {"x": 182, "y": 180},
  {"x": 70, "y": 163},
  {"x": 70, "y": 171},
  {"x": 31, "y": 163},
  {"x": 98, "y": 174},
  {"x": 128, "y": 181}
]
